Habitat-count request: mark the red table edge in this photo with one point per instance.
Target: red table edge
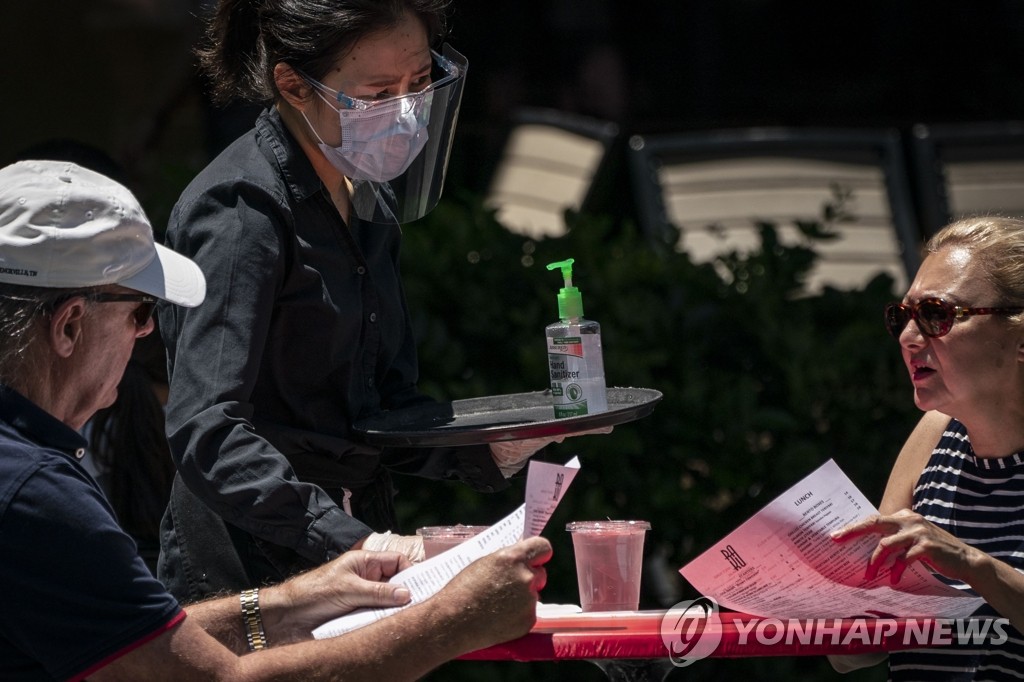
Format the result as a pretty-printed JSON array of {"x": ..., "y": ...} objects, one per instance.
[{"x": 639, "y": 636}]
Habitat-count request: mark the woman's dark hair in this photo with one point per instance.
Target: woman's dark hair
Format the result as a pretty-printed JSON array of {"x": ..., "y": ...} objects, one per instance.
[{"x": 246, "y": 39}]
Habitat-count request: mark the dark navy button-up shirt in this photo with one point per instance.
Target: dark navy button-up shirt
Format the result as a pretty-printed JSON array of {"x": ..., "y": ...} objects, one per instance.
[{"x": 304, "y": 329}]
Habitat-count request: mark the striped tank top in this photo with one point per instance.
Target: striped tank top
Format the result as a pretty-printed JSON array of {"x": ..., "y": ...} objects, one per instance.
[{"x": 980, "y": 501}]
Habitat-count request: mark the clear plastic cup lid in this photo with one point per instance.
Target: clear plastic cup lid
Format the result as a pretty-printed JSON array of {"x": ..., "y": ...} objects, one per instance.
[
  {"x": 607, "y": 526},
  {"x": 457, "y": 530}
]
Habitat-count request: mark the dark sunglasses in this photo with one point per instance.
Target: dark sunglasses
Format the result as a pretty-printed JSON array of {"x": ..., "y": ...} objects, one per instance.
[
  {"x": 934, "y": 317},
  {"x": 143, "y": 313}
]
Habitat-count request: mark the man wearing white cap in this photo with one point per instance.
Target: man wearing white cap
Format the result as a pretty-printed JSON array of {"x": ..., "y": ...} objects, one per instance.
[{"x": 79, "y": 276}]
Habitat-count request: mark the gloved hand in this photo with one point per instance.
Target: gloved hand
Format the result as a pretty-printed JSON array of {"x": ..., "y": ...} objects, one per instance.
[
  {"x": 511, "y": 455},
  {"x": 409, "y": 545}
]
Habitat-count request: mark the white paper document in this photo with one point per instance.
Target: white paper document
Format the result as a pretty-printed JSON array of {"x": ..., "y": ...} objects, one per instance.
[
  {"x": 782, "y": 563},
  {"x": 545, "y": 485}
]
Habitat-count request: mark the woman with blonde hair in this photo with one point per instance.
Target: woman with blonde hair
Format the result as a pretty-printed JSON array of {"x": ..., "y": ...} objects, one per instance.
[{"x": 955, "y": 497}]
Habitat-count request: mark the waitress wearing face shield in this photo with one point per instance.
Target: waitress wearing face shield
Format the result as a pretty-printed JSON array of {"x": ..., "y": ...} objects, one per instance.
[{"x": 305, "y": 330}]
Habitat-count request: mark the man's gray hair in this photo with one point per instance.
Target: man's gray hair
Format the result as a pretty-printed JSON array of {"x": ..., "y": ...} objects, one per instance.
[{"x": 19, "y": 309}]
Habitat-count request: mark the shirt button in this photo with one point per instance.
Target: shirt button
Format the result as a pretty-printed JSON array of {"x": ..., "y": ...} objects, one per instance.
[
  {"x": 79, "y": 453},
  {"x": 373, "y": 317},
  {"x": 361, "y": 270}
]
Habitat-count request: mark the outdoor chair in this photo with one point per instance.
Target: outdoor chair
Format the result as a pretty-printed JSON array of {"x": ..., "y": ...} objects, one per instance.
[
  {"x": 710, "y": 189},
  {"x": 549, "y": 164},
  {"x": 968, "y": 169}
]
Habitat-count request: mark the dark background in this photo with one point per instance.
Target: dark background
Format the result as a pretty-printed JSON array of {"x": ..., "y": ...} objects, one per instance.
[{"x": 118, "y": 73}]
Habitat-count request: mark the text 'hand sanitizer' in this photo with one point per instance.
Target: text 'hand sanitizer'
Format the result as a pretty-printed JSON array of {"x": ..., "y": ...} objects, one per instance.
[{"x": 574, "y": 354}]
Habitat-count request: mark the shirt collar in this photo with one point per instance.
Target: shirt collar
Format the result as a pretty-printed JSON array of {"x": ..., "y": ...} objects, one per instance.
[
  {"x": 286, "y": 153},
  {"x": 39, "y": 425}
]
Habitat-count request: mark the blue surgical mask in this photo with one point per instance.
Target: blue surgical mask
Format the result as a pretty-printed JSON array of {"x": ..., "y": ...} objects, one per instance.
[
  {"x": 395, "y": 150},
  {"x": 378, "y": 143}
]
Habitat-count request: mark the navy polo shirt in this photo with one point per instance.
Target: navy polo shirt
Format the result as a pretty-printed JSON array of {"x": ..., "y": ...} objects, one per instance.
[{"x": 74, "y": 593}]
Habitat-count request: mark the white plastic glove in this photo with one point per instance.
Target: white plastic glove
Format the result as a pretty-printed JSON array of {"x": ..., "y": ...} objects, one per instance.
[
  {"x": 512, "y": 455},
  {"x": 409, "y": 545}
]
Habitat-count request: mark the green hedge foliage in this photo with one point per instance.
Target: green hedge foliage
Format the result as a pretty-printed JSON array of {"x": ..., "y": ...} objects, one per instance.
[{"x": 762, "y": 383}]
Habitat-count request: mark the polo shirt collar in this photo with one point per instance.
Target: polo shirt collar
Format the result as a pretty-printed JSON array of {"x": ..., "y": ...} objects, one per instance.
[{"x": 39, "y": 425}]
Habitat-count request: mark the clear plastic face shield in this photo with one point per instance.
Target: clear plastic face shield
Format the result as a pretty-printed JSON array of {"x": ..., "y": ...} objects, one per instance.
[{"x": 395, "y": 151}]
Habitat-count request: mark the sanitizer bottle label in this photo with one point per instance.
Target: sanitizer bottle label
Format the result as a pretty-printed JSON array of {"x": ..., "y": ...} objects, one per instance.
[{"x": 577, "y": 386}]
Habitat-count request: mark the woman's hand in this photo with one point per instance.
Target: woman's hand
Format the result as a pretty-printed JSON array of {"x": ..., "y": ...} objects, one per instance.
[
  {"x": 908, "y": 537},
  {"x": 512, "y": 455},
  {"x": 409, "y": 545}
]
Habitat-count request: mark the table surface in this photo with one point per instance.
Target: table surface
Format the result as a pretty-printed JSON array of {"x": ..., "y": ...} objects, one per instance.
[{"x": 637, "y": 634}]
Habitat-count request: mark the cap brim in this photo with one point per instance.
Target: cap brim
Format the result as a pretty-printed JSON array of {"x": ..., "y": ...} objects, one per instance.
[{"x": 170, "y": 276}]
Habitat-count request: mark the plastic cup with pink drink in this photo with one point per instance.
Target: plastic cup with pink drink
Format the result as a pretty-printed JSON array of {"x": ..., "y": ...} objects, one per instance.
[
  {"x": 437, "y": 539},
  {"x": 609, "y": 561}
]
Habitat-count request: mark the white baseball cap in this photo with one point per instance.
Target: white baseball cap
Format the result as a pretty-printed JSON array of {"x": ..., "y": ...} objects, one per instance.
[{"x": 65, "y": 226}]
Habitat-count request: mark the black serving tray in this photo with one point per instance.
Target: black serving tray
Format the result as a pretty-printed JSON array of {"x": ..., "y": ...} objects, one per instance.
[{"x": 514, "y": 416}]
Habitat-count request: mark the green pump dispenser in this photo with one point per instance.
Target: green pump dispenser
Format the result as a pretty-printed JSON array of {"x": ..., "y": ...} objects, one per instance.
[
  {"x": 575, "y": 358},
  {"x": 570, "y": 300}
]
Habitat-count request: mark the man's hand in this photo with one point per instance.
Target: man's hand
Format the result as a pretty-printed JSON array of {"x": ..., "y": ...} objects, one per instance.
[
  {"x": 494, "y": 599},
  {"x": 354, "y": 580}
]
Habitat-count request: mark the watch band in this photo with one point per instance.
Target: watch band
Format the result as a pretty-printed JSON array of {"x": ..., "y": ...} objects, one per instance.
[{"x": 252, "y": 620}]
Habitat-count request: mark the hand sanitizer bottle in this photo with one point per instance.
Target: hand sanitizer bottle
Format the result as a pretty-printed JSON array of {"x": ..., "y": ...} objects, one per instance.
[{"x": 574, "y": 354}]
